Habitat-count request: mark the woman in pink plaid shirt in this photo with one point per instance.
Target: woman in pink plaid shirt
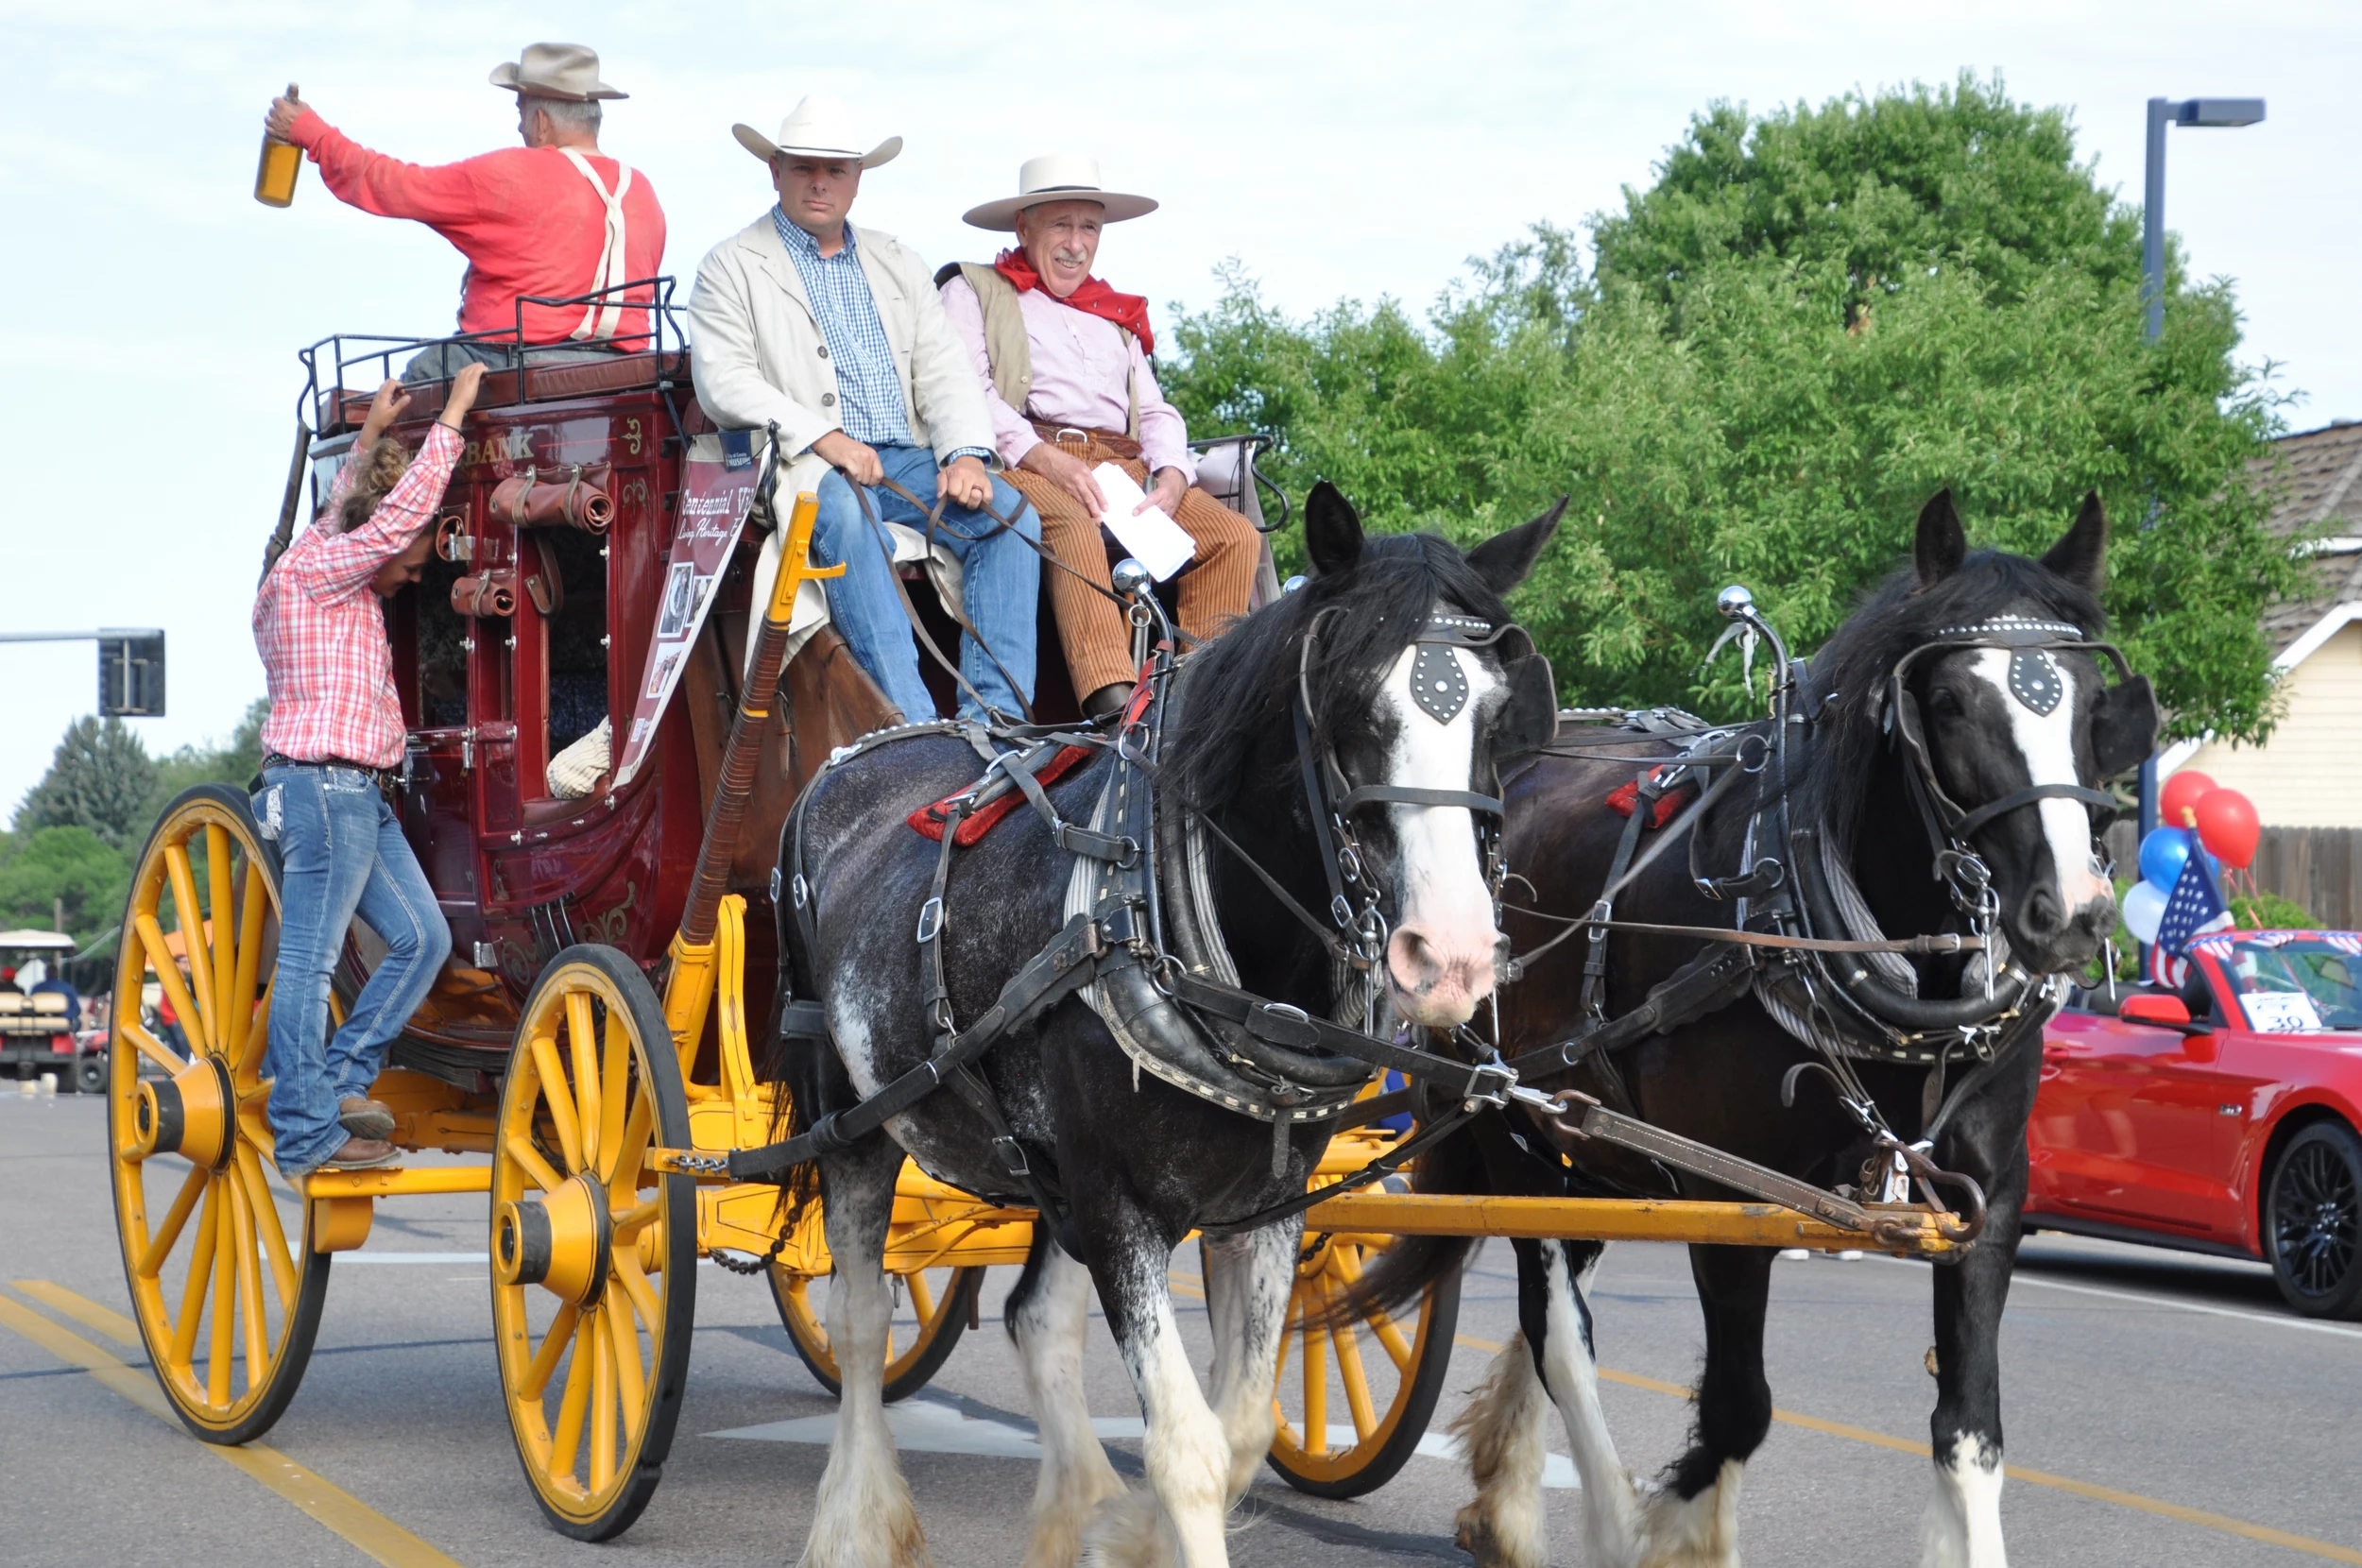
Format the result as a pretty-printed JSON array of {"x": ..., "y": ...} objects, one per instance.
[{"x": 334, "y": 737}]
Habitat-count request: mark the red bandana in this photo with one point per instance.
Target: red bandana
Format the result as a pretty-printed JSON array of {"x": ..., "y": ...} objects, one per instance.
[{"x": 1128, "y": 311}]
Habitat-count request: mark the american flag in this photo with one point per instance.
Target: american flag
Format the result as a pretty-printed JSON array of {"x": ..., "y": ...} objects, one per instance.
[{"x": 2194, "y": 910}]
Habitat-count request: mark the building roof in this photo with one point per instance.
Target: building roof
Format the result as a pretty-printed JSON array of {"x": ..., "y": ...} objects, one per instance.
[{"x": 2319, "y": 474}]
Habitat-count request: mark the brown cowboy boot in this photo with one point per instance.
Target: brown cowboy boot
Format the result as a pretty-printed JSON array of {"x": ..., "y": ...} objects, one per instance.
[
  {"x": 361, "y": 1154},
  {"x": 366, "y": 1118}
]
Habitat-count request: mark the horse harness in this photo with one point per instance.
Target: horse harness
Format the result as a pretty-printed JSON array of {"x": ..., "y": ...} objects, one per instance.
[
  {"x": 1801, "y": 932},
  {"x": 1140, "y": 943}
]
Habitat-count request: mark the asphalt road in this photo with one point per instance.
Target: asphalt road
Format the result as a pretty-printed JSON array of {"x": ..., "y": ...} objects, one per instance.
[{"x": 2168, "y": 1404}]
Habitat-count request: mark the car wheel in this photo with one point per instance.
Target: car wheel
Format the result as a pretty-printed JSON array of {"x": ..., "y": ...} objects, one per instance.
[
  {"x": 89, "y": 1076},
  {"x": 2313, "y": 1221}
]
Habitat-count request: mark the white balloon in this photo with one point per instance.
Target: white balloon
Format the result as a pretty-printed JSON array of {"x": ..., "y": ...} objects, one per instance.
[{"x": 2144, "y": 908}]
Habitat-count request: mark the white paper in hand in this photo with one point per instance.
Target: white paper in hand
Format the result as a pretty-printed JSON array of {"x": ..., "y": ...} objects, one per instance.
[{"x": 1153, "y": 539}]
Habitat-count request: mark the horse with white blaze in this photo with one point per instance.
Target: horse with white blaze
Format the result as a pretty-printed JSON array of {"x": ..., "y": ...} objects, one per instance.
[
  {"x": 1146, "y": 994},
  {"x": 1842, "y": 974}
]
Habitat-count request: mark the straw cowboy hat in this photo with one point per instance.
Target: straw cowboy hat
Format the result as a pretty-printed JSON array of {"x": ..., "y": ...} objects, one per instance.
[
  {"x": 555, "y": 71},
  {"x": 819, "y": 128},
  {"x": 1058, "y": 176}
]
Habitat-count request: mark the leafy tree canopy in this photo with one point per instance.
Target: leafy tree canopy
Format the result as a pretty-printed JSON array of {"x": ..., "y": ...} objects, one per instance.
[
  {"x": 83, "y": 826},
  {"x": 1811, "y": 322},
  {"x": 101, "y": 778},
  {"x": 70, "y": 865}
]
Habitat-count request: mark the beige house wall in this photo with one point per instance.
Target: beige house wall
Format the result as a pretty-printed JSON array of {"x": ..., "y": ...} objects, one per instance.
[{"x": 2309, "y": 774}]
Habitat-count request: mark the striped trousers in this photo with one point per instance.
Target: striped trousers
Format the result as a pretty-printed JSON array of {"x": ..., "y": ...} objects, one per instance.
[{"x": 1213, "y": 588}]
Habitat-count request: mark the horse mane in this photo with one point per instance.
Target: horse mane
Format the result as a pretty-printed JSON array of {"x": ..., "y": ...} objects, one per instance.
[
  {"x": 1242, "y": 684},
  {"x": 1897, "y": 616}
]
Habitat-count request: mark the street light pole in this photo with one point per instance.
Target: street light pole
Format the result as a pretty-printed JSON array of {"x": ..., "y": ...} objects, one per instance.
[{"x": 2208, "y": 112}]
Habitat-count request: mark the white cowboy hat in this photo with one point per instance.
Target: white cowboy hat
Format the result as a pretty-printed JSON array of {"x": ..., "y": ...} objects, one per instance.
[
  {"x": 1058, "y": 176},
  {"x": 819, "y": 128},
  {"x": 555, "y": 71}
]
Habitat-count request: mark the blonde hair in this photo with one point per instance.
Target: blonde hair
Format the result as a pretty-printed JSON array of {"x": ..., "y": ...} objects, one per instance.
[{"x": 380, "y": 470}]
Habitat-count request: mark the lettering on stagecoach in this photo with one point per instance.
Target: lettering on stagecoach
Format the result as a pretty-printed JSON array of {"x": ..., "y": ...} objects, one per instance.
[{"x": 507, "y": 446}]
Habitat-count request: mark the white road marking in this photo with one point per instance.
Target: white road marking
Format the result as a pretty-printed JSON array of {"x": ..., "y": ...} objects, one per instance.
[
  {"x": 924, "y": 1425},
  {"x": 2021, "y": 1277}
]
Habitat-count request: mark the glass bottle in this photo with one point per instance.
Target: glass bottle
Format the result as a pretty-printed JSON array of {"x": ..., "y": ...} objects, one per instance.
[{"x": 275, "y": 176}]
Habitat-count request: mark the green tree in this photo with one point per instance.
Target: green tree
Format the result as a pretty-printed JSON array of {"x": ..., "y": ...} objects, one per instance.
[
  {"x": 72, "y": 864},
  {"x": 1812, "y": 321},
  {"x": 101, "y": 778}
]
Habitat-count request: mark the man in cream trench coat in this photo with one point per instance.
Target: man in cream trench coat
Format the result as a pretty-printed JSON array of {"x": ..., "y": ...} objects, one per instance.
[{"x": 836, "y": 334}]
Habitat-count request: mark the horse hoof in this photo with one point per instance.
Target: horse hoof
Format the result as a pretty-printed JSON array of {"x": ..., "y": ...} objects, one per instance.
[
  {"x": 1128, "y": 1531},
  {"x": 1475, "y": 1536}
]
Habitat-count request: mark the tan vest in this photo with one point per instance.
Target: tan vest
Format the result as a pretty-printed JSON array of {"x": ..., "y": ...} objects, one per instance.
[{"x": 1010, "y": 353}]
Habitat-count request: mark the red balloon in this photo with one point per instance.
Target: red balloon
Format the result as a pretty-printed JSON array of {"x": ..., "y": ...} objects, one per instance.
[
  {"x": 2181, "y": 793},
  {"x": 2228, "y": 826}
]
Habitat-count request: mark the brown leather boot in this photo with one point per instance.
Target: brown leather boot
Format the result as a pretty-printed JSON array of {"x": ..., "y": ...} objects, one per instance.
[
  {"x": 362, "y": 1154},
  {"x": 366, "y": 1118}
]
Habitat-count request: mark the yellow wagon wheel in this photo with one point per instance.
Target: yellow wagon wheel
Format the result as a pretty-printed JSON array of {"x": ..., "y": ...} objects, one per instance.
[
  {"x": 934, "y": 1308},
  {"x": 593, "y": 1255},
  {"x": 1381, "y": 1375},
  {"x": 224, "y": 1283}
]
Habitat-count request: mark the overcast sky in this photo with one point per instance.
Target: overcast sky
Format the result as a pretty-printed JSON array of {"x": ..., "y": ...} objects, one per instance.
[{"x": 1338, "y": 150}]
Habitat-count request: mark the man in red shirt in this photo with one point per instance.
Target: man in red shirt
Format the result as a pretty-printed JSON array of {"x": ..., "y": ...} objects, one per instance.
[
  {"x": 553, "y": 219},
  {"x": 333, "y": 739}
]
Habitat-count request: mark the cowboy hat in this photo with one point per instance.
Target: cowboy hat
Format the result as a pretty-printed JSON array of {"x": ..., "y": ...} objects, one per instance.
[
  {"x": 819, "y": 128},
  {"x": 1058, "y": 176},
  {"x": 555, "y": 71}
]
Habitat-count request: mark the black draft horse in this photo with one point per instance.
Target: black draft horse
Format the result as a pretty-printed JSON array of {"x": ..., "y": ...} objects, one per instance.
[
  {"x": 1719, "y": 1078},
  {"x": 1135, "y": 1161}
]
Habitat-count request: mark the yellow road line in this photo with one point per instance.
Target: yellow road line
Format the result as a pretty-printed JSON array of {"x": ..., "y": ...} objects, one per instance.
[
  {"x": 90, "y": 1314},
  {"x": 2224, "y": 1522},
  {"x": 355, "y": 1521}
]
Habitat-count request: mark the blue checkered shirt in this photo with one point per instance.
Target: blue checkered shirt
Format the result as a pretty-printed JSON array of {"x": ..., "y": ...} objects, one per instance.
[{"x": 868, "y": 389}]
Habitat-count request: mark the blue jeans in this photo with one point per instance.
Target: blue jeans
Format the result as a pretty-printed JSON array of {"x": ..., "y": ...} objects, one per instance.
[
  {"x": 341, "y": 853},
  {"x": 1001, "y": 585}
]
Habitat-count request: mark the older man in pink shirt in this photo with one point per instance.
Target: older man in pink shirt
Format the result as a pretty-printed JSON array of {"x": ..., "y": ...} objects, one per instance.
[{"x": 1067, "y": 379}]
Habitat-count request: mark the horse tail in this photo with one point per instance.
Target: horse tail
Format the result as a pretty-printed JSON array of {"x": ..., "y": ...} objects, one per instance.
[{"x": 1402, "y": 1274}]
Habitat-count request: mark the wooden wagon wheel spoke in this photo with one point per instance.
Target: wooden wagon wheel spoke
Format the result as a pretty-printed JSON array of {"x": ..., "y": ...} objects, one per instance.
[
  {"x": 553, "y": 1343},
  {"x": 623, "y": 1180},
  {"x": 147, "y": 1045},
  {"x": 561, "y": 1104},
  {"x": 222, "y": 946},
  {"x": 192, "y": 1312},
  {"x": 227, "y": 1306},
  {"x": 602, "y": 1401},
  {"x": 249, "y": 1274},
  {"x": 193, "y": 1021},
  {"x": 265, "y": 1211},
  {"x": 615, "y": 1085},
  {"x": 192, "y": 919},
  {"x": 530, "y": 1162},
  {"x": 631, "y": 1373},
  {"x": 250, "y": 1019},
  {"x": 582, "y": 1037},
  {"x": 225, "y": 1299},
  {"x": 152, "y": 1261},
  {"x": 566, "y": 1441}
]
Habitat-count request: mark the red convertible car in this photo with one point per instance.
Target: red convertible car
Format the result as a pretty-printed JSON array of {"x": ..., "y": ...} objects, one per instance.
[{"x": 2221, "y": 1119}]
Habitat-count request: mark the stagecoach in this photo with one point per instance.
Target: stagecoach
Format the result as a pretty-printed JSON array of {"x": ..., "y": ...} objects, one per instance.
[{"x": 594, "y": 1051}]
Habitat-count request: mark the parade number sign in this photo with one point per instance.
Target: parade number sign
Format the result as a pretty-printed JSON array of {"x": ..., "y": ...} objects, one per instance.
[{"x": 714, "y": 499}]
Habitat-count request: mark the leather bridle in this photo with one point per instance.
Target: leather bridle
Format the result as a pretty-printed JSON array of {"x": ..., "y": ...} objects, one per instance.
[
  {"x": 1355, "y": 893},
  {"x": 2034, "y": 677}
]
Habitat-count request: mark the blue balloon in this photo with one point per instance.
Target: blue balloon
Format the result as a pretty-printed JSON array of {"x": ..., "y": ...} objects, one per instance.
[{"x": 2164, "y": 853}]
